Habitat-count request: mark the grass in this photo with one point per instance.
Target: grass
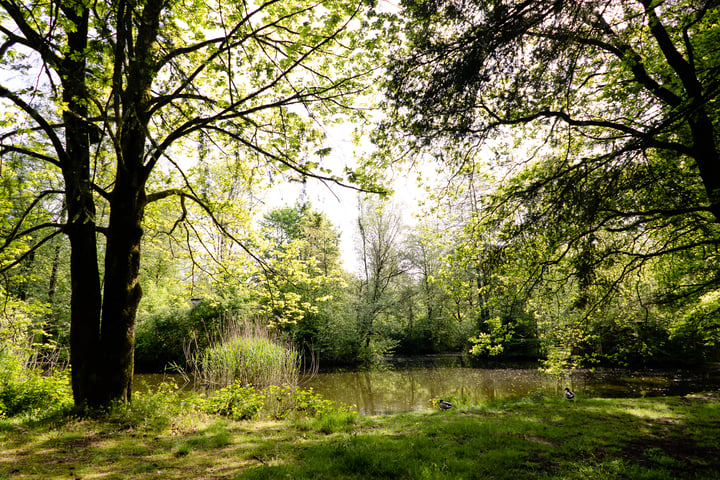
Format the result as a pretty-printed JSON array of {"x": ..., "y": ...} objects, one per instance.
[
  {"x": 248, "y": 354},
  {"x": 539, "y": 438}
]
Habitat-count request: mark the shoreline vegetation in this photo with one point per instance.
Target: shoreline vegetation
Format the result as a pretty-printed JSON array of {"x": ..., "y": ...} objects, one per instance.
[{"x": 161, "y": 435}]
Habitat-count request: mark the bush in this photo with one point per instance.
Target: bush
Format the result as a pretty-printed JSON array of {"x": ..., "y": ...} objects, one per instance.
[
  {"x": 160, "y": 340},
  {"x": 159, "y": 409},
  {"x": 236, "y": 401},
  {"x": 285, "y": 402},
  {"x": 29, "y": 391},
  {"x": 163, "y": 338},
  {"x": 244, "y": 402}
]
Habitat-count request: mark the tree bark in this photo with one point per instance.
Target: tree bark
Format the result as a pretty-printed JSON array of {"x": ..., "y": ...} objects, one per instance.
[
  {"x": 103, "y": 318},
  {"x": 85, "y": 298},
  {"x": 122, "y": 292},
  {"x": 707, "y": 158}
]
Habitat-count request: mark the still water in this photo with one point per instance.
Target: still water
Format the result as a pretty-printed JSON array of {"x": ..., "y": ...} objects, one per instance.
[{"x": 410, "y": 385}]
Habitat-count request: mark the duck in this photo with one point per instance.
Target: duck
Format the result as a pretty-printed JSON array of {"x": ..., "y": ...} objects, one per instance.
[
  {"x": 569, "y": 395},
  {"x": 444, "y": 404}
]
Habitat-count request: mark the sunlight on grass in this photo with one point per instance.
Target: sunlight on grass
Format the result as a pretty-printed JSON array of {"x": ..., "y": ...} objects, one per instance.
[
  {"x": 596, "y": 438},
  {"x": 649, "y": 409}
]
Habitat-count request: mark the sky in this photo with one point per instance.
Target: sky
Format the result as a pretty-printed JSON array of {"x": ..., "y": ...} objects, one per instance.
[{"x": 340, "y": 204}]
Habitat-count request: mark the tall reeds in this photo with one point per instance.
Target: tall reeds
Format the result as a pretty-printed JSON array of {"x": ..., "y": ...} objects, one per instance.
[{"x": 250, "y": 354}]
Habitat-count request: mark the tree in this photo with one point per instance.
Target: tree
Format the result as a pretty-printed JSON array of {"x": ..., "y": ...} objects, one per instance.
[
  {"x": 305, "y": 279},
  {"x": 380, "y": 231},
  {"x": 427, "y": 251},
  {"x": 128, "y": 87},
  {"x": 617, "y": 104},
  {"x": 321, "y": 241}
]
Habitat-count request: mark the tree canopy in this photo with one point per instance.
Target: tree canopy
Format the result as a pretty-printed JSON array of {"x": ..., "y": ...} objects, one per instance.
[
  {"x": 573, "y": 212},
  {"x": 111, "y": 101},
  {"x": 616, "y": 102}
]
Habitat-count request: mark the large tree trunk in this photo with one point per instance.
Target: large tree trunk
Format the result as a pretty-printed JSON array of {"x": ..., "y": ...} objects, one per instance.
[
  {"x": 122, "y": 290},
  {"x": 103, "y": 324},
  {"x": 81, "y": 230}
]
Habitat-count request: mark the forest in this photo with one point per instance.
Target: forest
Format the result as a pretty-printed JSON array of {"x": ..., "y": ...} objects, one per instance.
[{"x": 568, "y": 152}]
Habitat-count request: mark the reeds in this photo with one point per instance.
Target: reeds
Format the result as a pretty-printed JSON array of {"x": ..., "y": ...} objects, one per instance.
[{"x": 249, "y": 354}]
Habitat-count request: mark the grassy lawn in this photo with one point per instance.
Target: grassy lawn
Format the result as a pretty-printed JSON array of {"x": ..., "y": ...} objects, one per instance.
[{"x": 543, "y": 438}]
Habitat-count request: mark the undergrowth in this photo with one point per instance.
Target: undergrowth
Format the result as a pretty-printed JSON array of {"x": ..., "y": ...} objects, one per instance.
[{"x": 31, "y": 392}]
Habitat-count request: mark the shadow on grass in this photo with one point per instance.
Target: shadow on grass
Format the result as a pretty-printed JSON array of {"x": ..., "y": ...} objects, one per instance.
[
  {"x": 543, "y": 439},
  {"x": 634, "y": 439}
]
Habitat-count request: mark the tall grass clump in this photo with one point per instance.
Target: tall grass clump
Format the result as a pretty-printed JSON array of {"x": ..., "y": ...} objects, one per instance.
[{"x": 248, "y": 354}]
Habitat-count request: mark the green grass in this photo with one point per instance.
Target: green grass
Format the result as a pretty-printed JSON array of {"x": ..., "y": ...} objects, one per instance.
[
  {"x": 542, "y": 438},
  {"x": 248, "y": 354}
]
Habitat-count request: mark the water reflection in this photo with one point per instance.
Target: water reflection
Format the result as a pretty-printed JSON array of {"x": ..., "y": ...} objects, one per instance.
[
  {"x": 380, "y": 392},
  {"x": 409, "y": 386}
]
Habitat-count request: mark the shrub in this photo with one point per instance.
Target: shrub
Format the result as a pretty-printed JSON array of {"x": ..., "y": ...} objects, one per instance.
[
  {"x": 249, "y": 355},
  {"x": 236, "y": 401},
  {"x": 284, "y": 402},
  {"x": 244, "y": 402},
  {"x": 30, "y": 391},
  {"x": 159, "y": 409},
  {"x": 160, "y": 340},
  {"x": 164, "y": 337}
]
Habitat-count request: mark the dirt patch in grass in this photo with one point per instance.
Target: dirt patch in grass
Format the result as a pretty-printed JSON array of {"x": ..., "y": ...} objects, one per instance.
[{"x": 540, "y": 440}]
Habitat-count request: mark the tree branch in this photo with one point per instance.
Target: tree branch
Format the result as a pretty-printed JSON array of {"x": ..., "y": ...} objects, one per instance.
[
  {"x": 209, "y": 212},
  {"x": 40, "y": 120},
  {"x": 34, "y": 248},
  {"x": 32, "y": 39},
  {"x": 647, "y": 137}
]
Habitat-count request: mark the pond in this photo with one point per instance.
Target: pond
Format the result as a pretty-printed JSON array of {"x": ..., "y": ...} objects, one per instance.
[{"x": 409, "y": 385}]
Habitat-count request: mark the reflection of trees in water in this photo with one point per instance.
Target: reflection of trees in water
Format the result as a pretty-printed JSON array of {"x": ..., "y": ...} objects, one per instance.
[
  {"x": 387, "y": 391},
  {"x": 407, "y": 389},
  {"x": 411, "y": 389}
]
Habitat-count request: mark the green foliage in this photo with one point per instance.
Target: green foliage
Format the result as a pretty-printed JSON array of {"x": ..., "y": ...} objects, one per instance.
[
  {"x": 697, "y": 330},
  {"x": 285, "y": 402},
  {"x": 583, "y": 193},
  {"x": 162, "y": 408},
  {"x": 244, "y": 402},
  {"x": 160, "y": 340},
  {"x": 339, "y": 340},
  {"x": 31, "y": 381},
  {"x": 264, "y": 85},
  {"x": 172, "y": 333},
  {"x": 25, "y": 391},
  {"x": 236, "y": 401},
  {"x": 250, "y": 355},
  {"x": 306, "y": 281},
  {"x": 491, "y": 343}
]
